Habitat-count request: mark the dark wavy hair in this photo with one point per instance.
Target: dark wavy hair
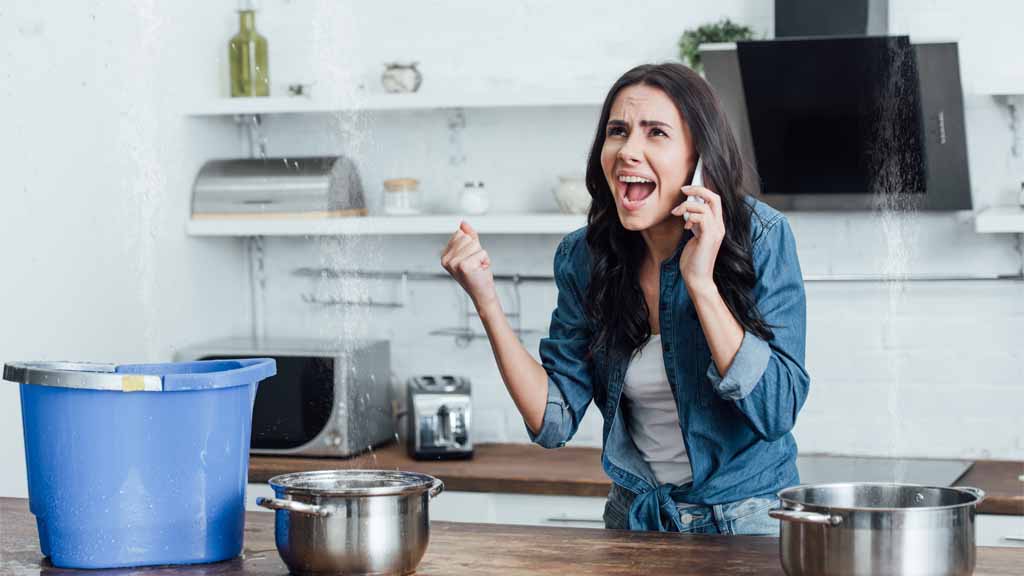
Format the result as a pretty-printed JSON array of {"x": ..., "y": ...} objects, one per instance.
[{"x": 615, "y": 303}]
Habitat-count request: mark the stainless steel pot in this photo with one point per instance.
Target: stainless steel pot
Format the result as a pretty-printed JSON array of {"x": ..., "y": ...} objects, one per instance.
[
  {"x": 352, "y": 521},
  {"x": 858, "y": 528}
]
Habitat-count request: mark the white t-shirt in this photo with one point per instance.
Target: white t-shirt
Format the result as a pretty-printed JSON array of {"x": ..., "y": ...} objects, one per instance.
[{"x": 652, "y": 418}]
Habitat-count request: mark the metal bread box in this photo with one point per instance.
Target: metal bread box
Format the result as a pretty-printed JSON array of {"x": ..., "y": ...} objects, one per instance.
[{"x": 311, "y": 187}]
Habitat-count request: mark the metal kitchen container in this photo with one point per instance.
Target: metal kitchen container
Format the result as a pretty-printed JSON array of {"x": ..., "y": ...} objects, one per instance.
[
  {"x": 137, "y": 465},
  {"x": 352, "y": 521},
  {"x": 313, "y": 187},
  {"x": 855, "y": 529}
]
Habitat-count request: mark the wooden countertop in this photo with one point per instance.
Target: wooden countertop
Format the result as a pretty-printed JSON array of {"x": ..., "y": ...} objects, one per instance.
[
  {"x": 513, "y": 468},
  {"x": 1003, "y": 483},
  {"x": 575, "y": 471},
  {"x": 457, "y": 549}
]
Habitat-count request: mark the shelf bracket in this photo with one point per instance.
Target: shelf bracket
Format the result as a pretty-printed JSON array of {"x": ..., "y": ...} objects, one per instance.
[
  {"x": 254, "y": 141},
  {"x": 1020, "y": 255},
  {"x": 1015, "y": 103}
]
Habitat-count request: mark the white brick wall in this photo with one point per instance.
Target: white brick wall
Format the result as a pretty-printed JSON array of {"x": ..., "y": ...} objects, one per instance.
[{"x": 910, "y": 368}]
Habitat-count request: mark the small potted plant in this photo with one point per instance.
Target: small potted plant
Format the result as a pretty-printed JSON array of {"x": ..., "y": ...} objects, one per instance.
[{"x": 724, "y": 30}]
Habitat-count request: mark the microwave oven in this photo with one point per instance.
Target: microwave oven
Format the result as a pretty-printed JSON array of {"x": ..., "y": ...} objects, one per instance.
[{"x": 327, "y": 399}]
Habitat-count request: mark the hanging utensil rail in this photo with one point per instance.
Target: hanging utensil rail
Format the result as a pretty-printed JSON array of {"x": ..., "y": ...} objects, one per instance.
[{"x": 464, "y": 334}]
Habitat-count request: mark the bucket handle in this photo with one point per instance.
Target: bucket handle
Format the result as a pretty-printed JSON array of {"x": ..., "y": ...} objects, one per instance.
[
  {"x": 805, "y": 517},
  {"x": 293, "y": 506}
]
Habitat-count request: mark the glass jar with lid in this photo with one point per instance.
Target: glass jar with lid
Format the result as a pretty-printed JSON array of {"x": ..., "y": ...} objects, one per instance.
[{"x": 402, "y": 196}]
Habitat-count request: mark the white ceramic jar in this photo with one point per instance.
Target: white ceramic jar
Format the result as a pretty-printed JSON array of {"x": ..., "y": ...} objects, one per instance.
[
  {"x": 399, "y": 77},
  {"x": 572, "y": 194},
  {"x": 473, "y": 198}
]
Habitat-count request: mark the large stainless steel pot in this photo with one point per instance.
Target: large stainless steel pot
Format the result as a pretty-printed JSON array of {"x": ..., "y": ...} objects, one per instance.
[
  {"x": 857, "y": 529},
  {"x": 352, "y": 521}
]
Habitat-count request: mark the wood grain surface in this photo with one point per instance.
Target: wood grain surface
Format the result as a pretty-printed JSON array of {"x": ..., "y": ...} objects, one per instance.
[
  {"x": 1003, "y": 483},
  {"x": 512, "y": 468},
  {"x": 462, "y": 549},
  {"x": 572, "y": 471}
]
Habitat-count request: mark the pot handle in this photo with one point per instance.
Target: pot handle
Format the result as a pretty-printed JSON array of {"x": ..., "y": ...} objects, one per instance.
[
  {"x": 976, "y": 492},
  {"x": 293, "y": 506},
  {"x": 805, "y": 517},
  {"x": 436, "y": 488}
]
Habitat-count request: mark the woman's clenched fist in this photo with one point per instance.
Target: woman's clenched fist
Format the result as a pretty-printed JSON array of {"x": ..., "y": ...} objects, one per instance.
[{"x": 466, "y": 260}]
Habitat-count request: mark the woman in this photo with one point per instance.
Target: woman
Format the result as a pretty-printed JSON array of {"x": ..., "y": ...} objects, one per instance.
[{"x": 684, "y": 322}]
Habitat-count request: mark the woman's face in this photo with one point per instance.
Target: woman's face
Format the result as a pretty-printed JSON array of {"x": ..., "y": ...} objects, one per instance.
[{"x": 647, "y": 156}]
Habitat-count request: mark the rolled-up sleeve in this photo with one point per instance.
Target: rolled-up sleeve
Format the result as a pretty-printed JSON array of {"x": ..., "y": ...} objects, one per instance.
[
  {"x": 557, "y": 427},
  {"x": 564, "y": 355},
  {"x": 767, "y": 381},
  {"x": 745, "y": 371}
]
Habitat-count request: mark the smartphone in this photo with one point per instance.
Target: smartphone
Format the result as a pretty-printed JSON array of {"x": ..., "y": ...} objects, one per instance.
[
  {"x": 698, "y": 176},
  {"x": 698, "y": 180}
]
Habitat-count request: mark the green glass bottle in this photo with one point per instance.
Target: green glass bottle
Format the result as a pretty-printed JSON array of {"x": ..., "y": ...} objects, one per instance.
[{"x": 247, "y": 53}]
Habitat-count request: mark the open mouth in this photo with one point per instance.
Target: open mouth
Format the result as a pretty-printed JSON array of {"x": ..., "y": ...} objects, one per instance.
[{"x": 634, "y": 191}]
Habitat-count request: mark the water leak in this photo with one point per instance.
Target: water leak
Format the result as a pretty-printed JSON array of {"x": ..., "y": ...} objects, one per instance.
[
  {"x": 896, "y": 165},
  {"x": 144, "y": 178},
  {"x": 353, "y": 319}
]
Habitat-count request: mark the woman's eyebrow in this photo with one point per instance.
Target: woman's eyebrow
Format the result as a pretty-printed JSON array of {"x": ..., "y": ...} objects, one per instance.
[
  {"x": 658, "y": 123},
  {"x": 643, "y": 123}
]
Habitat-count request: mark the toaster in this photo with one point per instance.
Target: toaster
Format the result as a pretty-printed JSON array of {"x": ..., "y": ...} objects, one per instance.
[{"x": 438, "y": 417}]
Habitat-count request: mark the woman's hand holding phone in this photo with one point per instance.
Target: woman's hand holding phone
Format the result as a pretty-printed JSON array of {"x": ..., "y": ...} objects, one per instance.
[{"x": 702, "y": 214}]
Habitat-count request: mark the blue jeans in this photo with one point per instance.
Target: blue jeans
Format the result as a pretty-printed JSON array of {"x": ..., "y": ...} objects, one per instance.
[{"x": 748, "y": 516}]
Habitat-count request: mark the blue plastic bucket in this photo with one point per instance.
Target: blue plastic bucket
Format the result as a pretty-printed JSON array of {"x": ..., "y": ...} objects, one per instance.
[{"x": 138, "y": 465}]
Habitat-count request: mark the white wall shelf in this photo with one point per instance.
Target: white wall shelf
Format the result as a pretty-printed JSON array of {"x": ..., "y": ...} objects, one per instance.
[
  {"x": 1010, "y": 88},
  {"x": 994, "y": 220},
  {"x": 537, "y": 223},
  {"x": 1000, "y": 219},
  {"x": 384, "y": 102}
]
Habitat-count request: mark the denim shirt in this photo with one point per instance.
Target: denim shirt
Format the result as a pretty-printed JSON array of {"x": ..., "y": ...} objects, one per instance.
[{"x": 736, "y": 426}]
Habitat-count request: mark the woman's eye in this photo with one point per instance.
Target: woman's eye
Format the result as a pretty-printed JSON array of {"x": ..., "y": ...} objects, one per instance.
[
  {"x": 616, "y": 131},
  {"x": 657, "y": 132}
]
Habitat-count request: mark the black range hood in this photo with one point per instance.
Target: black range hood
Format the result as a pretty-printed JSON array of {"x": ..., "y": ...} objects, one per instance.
[{"x": 846, "y": 122}]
